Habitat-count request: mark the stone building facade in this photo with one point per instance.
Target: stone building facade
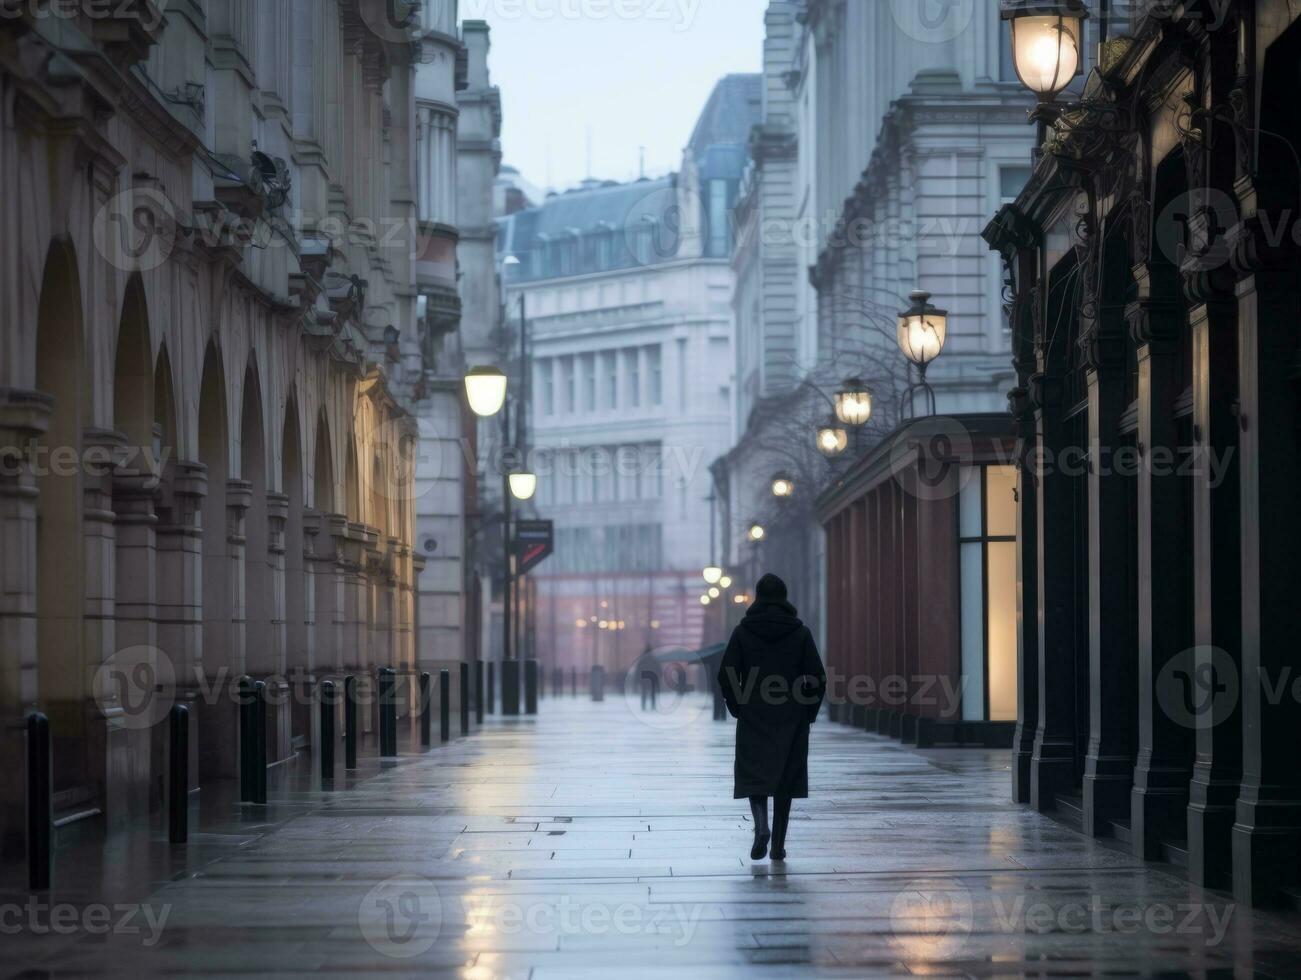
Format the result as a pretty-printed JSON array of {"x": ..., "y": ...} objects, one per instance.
[
  {"x": 1152, "y": 265},
  {"x": 626, "y": 290},
  {"x": 891, "y": 131},
  {"x": 209, "y": 352}
]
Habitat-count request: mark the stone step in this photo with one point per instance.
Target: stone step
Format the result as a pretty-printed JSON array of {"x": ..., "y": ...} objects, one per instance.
[
  {"x": 1122, "y": 831},
  {"x": 1175, "y": 852},
  {"x": 1070, "y": 809}
]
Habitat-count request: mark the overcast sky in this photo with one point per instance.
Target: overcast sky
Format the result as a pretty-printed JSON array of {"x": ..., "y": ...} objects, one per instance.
[{"x": 631, "y": 73}]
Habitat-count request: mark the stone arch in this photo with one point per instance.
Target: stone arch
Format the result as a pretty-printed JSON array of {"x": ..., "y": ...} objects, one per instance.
[
  {"x": 323, "y": 473},
  {"x": 61, "y": 655}
]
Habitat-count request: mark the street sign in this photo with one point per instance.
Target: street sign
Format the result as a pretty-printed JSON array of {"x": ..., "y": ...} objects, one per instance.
[{"x": 534, "y": 542}]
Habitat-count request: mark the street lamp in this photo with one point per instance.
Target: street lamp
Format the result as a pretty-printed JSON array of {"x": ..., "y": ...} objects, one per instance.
[
  {"x": 523, "y": 485},
  {"x": 485, "y": 389},
  {"x": 783, "y": 486},
  {"x": 757, "y": 532},
  {"x": 713, "y": 592},
  {"x": 725, "y": 582},
  {"x": 704, "y": 600},
  {"x": 832, "y": 438},
  {"x": 854, "y": 403},
  {"x": 1047, "y": 36},
  {"x": 923, "y": 329},
  {"x": 712, "y": 574}
]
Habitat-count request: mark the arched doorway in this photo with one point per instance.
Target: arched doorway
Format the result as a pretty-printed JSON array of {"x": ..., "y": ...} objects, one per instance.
[
  {"x": 297, "y": 662},
  {"x": 62, "y": 667},
  {"x": 218, "y": 749},
  {"x": 135, "y": 646}
]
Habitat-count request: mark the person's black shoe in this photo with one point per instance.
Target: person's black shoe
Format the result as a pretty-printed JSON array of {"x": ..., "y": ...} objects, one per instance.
[
  {"x": 760, "y": 845},
  {"x": 778, "y": 852}
]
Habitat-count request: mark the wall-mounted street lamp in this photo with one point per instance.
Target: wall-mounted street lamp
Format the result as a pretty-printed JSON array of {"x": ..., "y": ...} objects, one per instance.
[
  {"x": 923, "y": 328},
  {"x": 485, "y": 390},
  {"x": 832, "y": 438},
  {"x": 783, "y": 486},
  {"x": 1047, "y": 43}
]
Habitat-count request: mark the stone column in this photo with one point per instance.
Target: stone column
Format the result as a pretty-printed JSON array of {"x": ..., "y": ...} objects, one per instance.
[
  {"x": 1163, "y": 767},
  {"x": 1027, "y": 573},
  {"x": 24, "y": 418},
  {"x": 179, "y": 593},
  {"x": 118, "y": 778},
  {"x": 280, "y": 725},
  {"x": 1052, "y": 765},
  {"x": 305, "y": 677},
  {"x": 219, "y": 729},
  {"x": 136, "y": 630},
  {"x": 1267, "y": 830}
]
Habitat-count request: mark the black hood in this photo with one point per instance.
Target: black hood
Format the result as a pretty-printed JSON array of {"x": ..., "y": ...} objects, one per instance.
[{"x": 771, "y": 619}]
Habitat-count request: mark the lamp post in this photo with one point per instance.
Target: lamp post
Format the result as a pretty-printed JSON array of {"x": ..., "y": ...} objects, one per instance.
[
  {"x": 923, "y": 329},
  {"x": 783, "y": 486},
  {"x": 1047, "y": 47}
]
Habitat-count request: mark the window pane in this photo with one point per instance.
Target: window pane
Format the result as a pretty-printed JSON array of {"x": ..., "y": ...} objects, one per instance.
[
  {"x": 1002, "y": 631},
  {"x": 969, "y": 503},
  {"x": 973, "y": 632},
  {"x": 1000, "y": 501}
]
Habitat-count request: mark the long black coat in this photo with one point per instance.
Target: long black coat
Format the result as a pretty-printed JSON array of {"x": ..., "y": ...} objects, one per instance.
[{"x": 773, "y": 682}]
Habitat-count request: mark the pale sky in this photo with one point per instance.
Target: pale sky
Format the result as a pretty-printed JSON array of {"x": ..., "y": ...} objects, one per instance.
[{"x": 631, "y": 73}]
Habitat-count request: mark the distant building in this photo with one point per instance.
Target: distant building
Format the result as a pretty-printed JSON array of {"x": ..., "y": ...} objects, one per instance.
[{"x": 627, "y": 290}]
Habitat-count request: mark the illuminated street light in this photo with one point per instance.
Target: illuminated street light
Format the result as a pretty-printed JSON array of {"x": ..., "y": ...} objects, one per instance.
[
  {"x": 923, "y": 329},
  {"x": 783, "y": 486},
  {"x": 854, "y": 403},
  {"x": 832, "y": 439},
  {"x": 704, "y": 600},
  {"x": 725, "y": 582},
  {"x": 523, "y": 485},
  {"x": 714, "y": 593},
  {"x": 757, "y": 532},
  {"x": 1046, "y": 36},
  {"x": 712, "y": 574},
  {"x": 485, "y": 390}
]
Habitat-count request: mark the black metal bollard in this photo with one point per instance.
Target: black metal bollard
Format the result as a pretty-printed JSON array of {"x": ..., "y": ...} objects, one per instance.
[
  {"x": 510, "y": 687},
  {"x": 350, "y": 722},
  {"x": 260, "y": 753},
  {"x": 247, "y": 739},
  {"x": 327, "y": 730},
  {"x": 492, "y": 687},
  {"x": 426, "y": 707},
  {"x": 573, "y": 682},
  {"x": 478, "y": 691},
  {"x": 178, "y": 776},
  {"x": 557, "y": 682},
  {"x": 40, "y": 803},
  {"x": 465, "y": 698},
  {"x": 445, "y": 705},
  {"x": 598, "y": 683},
  {"x": 388, "y": 708},
  {"x": 542, "y": 685},
  {"x": 530, "y": 687}
]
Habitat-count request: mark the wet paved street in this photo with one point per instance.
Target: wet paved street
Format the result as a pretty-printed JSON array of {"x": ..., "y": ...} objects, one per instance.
[{"x": 596, "y": 841}]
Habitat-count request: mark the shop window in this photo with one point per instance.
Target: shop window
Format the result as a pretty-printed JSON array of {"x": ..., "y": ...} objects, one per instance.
[{"x": 987, "y": 567}]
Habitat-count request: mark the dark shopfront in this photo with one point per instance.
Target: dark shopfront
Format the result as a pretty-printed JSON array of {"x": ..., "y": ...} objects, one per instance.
[
  {"x": 921, "y": 584},
  {"x": 1153, "y": 265}
]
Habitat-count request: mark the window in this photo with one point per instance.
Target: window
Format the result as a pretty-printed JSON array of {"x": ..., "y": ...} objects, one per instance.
[
  {"x": 1011, "y": 181},
  {"x": 720, "y": 232},
  {"x": 655, "y": 363},
  {"x": 633, "y": 360},
  {"x": 987, "y": 567},
  {"x": 589, "y": 383},
  {"x": 611, "y": 380},
  {"x": 548, "y": 386},
  {"x": 567, "y": 366}
]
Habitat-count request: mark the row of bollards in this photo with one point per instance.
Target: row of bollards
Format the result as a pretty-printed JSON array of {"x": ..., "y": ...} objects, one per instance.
[{"x": 253, "y": 704}]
